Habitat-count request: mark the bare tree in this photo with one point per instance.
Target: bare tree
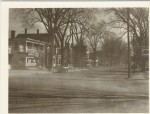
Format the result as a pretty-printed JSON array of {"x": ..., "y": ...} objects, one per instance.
[
  {"x": 56, "y": 22},
  {"x": 63, "y": 32},
  {"x": 78, "y": 33},
  {"x": 138, "y": 22},
  {"x": 113, "y": 48},
  {"x": 52, "y": 19},
  {"x": 95, "y": 36}
]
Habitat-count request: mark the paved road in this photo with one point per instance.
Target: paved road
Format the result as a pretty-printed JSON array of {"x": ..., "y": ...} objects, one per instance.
[{"x": 96, "y": 90}]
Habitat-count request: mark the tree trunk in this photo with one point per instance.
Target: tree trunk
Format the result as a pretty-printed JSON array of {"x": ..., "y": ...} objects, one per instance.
[
  {"x": 46, "y": 56},
  {"x": 94, "y": 57},
  {"x": 51, "y": 56},
  {"x": 51, "y": 51},
  {"x": 62, "y": 53}
]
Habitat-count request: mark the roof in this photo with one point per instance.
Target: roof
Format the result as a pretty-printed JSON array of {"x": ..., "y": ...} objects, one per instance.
[{"x": 41, "y": 37}]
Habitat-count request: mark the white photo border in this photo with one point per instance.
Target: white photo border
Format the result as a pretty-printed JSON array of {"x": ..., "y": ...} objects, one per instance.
[{"x": 4, "y": 27}]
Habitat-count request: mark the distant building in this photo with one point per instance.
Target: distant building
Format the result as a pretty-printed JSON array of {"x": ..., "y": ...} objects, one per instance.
[
  {"x": 90, "y": 59},
  {"x": 57, "y": 57},
  {"x": 10, "y": 48}
]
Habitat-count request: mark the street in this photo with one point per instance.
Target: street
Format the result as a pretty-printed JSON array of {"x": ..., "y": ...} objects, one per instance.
[{"x": 95, "y": 90}]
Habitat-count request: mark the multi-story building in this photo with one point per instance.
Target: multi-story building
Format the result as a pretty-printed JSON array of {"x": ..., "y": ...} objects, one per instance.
[
  {"x": 90, "y": 59},
  {"x": 28, "y": 50},
  {"x": 31, "y": 50},
  {"x": 56, "y": 57},
  {"x": 10, "y": 48}
]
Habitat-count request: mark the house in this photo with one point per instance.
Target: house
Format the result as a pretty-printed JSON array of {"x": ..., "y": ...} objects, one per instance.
[
  {"x": 28, "y": 50},
  {"x": 31, "y": 51},
  {"x": 10, "y": 48},
  {"x": 90, "y": 59},
  {"x": 56, "y": 57}
]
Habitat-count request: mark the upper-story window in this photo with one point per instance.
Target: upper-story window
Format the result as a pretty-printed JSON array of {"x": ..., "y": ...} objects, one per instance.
[
  {"x": 21, "y": 48},
  {"x": 29, "y": 45},
  {"x": 58, "y": 51},
  {"x": 16, "y": 46},
  {"x": 36, "y": 46},
  {"x": 41, "y": 47}
]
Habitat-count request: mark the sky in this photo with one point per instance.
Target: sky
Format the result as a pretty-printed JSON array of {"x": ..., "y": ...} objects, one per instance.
[{"x": 15, "y": 22}]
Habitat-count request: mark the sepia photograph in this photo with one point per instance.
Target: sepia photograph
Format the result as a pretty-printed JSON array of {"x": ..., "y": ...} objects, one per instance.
[{"x": 78, "y": 60}]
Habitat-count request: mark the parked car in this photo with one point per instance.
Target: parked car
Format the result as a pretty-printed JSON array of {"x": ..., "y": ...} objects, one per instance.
[{"x": 60, "y": 69}]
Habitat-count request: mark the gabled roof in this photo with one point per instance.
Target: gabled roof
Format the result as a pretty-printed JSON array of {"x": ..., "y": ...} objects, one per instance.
[{"x": 41, "y": 37}]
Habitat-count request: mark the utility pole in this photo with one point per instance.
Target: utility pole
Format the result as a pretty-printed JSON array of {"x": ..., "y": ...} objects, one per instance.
[
  {"x": 134, "y": 67},
  {"x": 128, "y": 14}
]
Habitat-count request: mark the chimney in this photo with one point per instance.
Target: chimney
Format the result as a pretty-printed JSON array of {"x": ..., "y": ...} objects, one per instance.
[
  {"x": 12, "y": 34},
  {"x": 37, "y": 31},
  {"x": 25, "y": 31}
]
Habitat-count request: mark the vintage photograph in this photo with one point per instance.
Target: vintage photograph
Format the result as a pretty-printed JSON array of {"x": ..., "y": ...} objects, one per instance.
[{"x": 78, "y": 60}]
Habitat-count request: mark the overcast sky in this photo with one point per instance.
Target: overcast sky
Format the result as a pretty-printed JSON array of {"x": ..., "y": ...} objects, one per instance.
[{"x": 15, "y": 23}]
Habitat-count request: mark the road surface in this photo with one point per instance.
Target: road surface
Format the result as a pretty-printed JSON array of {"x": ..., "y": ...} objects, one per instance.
[{"x": 98, "y": 90}]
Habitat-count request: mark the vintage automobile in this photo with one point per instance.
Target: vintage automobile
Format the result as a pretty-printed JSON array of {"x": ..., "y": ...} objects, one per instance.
[{"x": 63, "y": 69}]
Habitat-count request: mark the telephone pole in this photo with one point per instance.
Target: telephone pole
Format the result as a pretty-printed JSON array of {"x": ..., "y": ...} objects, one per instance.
[{"x": 128, "y": 14}]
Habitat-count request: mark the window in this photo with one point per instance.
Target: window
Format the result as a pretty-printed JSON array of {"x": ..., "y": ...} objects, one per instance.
[
  {"x": 29, "y": 60},
  {"x": 36, "y": 46},
  {"x": 21, "y": 48},
  {"x": 22, "y": 60},
  {"x": 59, "y": 61},
  {"x": 29, "y": 45},
  {"x": 33, "y": 60},
  {"x": 16, "y": 46},
  {"x": 41, "y": 47},
  {"x": 58, "y": 51},
  {"x": 54, "y": 61}
]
